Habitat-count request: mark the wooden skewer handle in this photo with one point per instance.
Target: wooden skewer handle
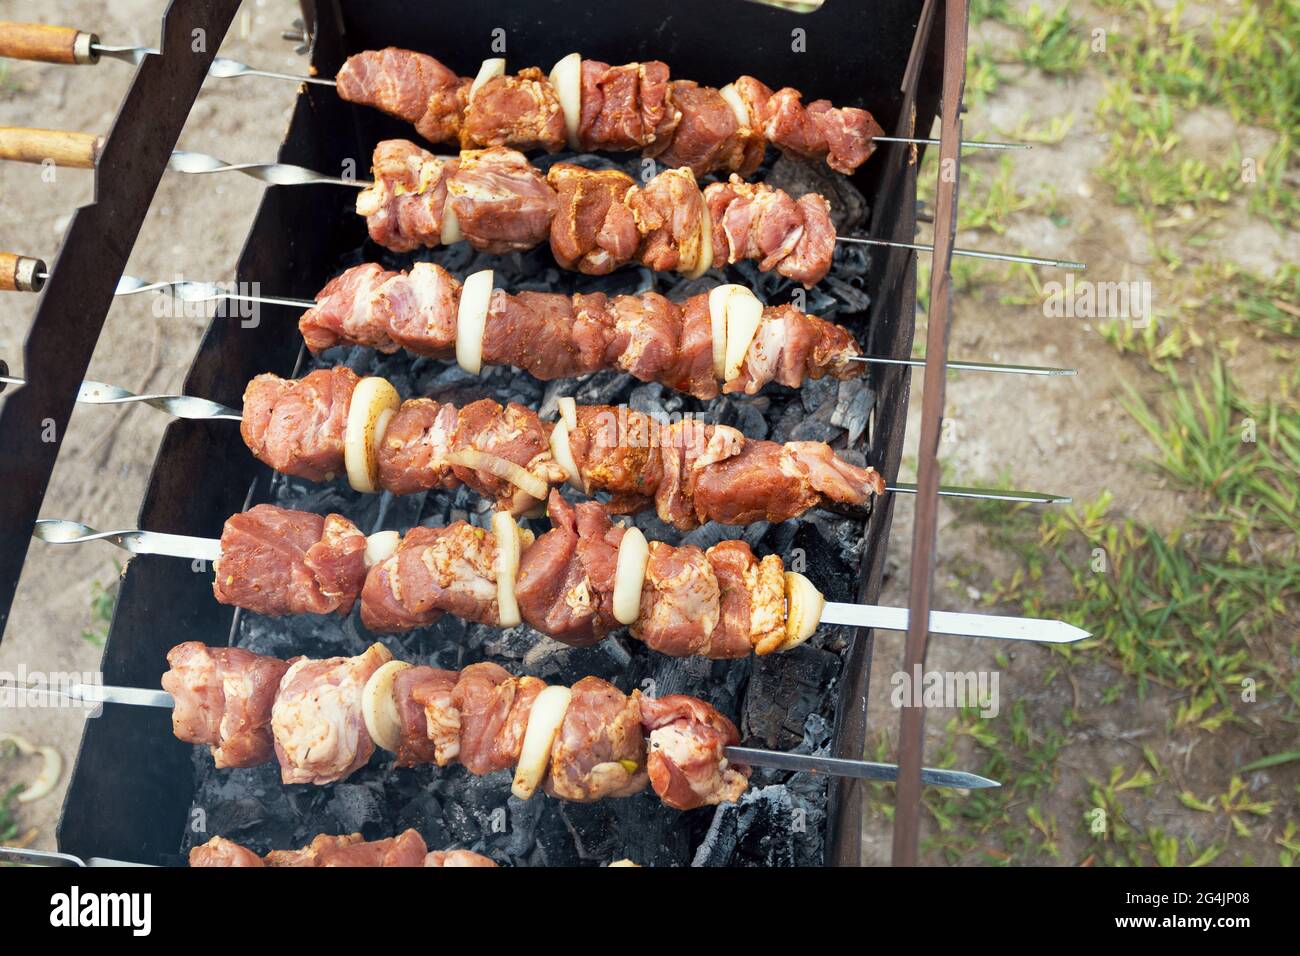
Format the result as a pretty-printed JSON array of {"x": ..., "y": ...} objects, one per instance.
[
  {"x": 65, "y": 148},
  {"x": 48, "y": 44},
  {"x": 21, "y": 273}
]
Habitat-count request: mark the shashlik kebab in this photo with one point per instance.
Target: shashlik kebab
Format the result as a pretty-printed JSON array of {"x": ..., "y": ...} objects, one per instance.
[
  {"x": 723, "y": 340},
  {"x": 331, "y": 422},
  {"x": 406, "y": 849},
  {"x": 322, "y": 719},
  {"x": 595, "y": 219},
  {"x": 592, "y": 106},
  {"x": 578, "y": 583}
]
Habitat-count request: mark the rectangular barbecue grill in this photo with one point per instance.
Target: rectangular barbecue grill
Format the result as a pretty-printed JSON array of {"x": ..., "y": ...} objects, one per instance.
[{"x": 138, "y": 793}]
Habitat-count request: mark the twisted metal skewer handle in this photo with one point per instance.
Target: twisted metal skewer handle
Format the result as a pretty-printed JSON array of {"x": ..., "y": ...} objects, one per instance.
[
  {"x": 60, "y": 531},
  {"x": 182, "y": 406},
  {"x": 277, "y": 174}
]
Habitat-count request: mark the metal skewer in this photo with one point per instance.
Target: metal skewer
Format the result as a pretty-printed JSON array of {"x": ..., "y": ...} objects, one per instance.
[
  {"x": 86, "y": 48},
  {"x": 189, "y": 406},
  {"x": 189, "y": 291},
  {"x": 959, "y": 623},
  {"x": 20, "y": 854},
  {"x": 779, "y": 760}
]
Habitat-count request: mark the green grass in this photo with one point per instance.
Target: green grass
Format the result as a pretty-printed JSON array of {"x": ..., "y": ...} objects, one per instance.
[
  {"x": 1245, "y": 61},
  {"x": 103, "y": 600},
  {"x": 1243, "y": 462}
]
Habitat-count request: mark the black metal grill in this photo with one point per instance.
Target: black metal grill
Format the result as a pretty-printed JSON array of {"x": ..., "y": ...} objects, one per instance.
[{"x": 140, "y": 794}]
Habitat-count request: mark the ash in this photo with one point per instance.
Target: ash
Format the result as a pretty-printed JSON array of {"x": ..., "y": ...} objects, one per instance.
[{"x": 782, "y": 701}]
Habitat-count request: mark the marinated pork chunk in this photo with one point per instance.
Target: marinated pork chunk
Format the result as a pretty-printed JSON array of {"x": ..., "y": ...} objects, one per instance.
[
  {"x": 223, "y": 700},
  {"x": 599, "y": 751},
  {"x": 593, "y": 231},
  {"x": 430, "y": 720},
  {"x": 405, "y": 207},
  {"x": 412, "y": 86},
  {"x": 406, "y": 849},
  {"x": 687, "y": 763},
  {"x": 669, "y": 214},
  {"x": 435, "y": 571},
  {"x": 296, "y": 425},
  {"x": 276, "y": 562},
  {"x": 520, "y": 111},
  {"x": 494, "y": 706},
  {"x": 320, "y": 736},
  {"x": 635, "y": 106},
  {"x": 755, "y": 221},
  {"x": 502, "y": 203}
]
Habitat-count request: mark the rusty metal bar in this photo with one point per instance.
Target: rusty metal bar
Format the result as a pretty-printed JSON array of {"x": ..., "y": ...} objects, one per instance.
[{"x": 911, "y": 737}]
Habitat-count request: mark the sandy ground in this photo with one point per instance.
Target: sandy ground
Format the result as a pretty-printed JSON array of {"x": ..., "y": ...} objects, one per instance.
[{"x": 194, "y": 229}]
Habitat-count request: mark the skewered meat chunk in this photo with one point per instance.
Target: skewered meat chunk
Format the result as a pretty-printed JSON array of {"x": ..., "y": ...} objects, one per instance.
[
  {"x": 635, "y": 106},
  {"x": 430, "y": 731},
  {"x": 222, "y": 852},
  {"x": 276, "y": 562},
  {"x": 413, "y": 86},
  {"x": 669, "y": 212},
  {"x": 723, "y": 603},
  {"x": 692, "y": 472},
  {"x": 458, "y": 858},
  {"x": 520, "y": 111},
  {"x": 407, "y": 849},
  {"x": 494, "y": 706},
  {"x": 593, "y": 230},
  {"x": 223, "y": 699},
  {"x": 296, "y": 425},
  {"x": 320, "y": 736},
  {"x": 842, "y": 138},
  {"x": 599, "y": 751},
  {"x": 626, "y": 107},
  {"x": 502, "y": 203},
  {"x": 596, "y": 220},
  {"x": 566, "y": 579},
  {"x": 434, "y": 571},
  {"x": 709, "y": 135},
  {"x": 755, "y": 221},
  {"x": 555, "y": 336},
  {"x": 481, "y": 717},
  {"x": 687, "y": 763},
  {"x": 407, "y": 202}
]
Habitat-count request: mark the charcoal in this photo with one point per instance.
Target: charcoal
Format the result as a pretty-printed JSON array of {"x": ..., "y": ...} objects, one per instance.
[
  {"x": 784, "y": 701},
  {"x": 853, "y": 404},
  {"x": 784, "y": 689},
  {"x": 797, "y": 176}
]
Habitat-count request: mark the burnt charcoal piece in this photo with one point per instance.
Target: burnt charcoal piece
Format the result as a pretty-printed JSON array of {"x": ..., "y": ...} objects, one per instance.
[
  {"x": 797, "y": 176},
  {"x": 784, "y": 689}
]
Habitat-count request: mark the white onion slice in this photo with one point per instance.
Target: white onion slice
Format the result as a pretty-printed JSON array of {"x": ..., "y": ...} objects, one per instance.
[
  {"x": 379, "y": 706},
  {"x": 544, "y": 722},
  {"x": 803, "y": 610},
  {"x": 502, "y": 468},
  {"x": 471, "y": 320},
  {"x": 563, "y": 453},
  {"x": 506, "y": 533},
  {"x": 374, "y": 401},
  {"x": 491, "y": 68},
  {"x": 624, "y": 863},
  {"x": 736, "y": 102},
  {"x": 629, "y": 575},
  {"x": 744, "y": 315},
  {"x": 450, "y": 224},
  {"x": 719, "y": 299},
  {"x": 704, "y": 260},
  {"x": 566, "y": 77},
  {"x": 568, "y": 410},
  {"x": 381, "y": 546}
]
